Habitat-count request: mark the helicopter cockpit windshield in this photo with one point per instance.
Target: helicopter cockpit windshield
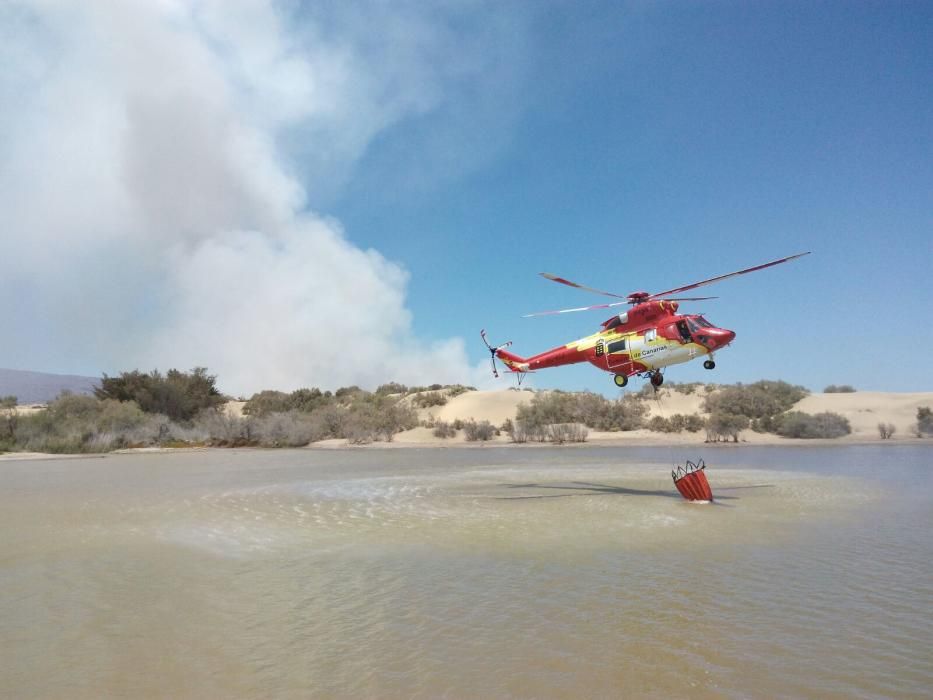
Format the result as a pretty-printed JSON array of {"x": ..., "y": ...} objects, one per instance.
[{"x": 696, "y": 323}]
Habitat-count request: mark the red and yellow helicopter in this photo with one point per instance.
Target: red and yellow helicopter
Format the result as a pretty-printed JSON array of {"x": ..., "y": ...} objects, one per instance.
[{"x": 642, "y": 341}]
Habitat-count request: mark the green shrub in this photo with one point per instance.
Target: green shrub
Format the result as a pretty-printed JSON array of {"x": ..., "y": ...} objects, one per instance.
[
  {"x": 592, "y": 410},
  {"x": 305, "y": 400},
  {"x": 178, "y": 395},
  {"x": 924, "y": 424},
  {"x": 755, "y": 401},
  {"x": 839, "y": 389},
  {"x": 429, "y": 398},
  {"x": 683, "y": 387},
  {"x": 725, "y": 426},
  {"x": 8, "y": 420},
  {"x": 443, "y": 429},
  {"x": 560, "y": 433},
  {"x": 392, "y": 388},
  {"x": 677, "y": 423},
  {"x": 478, "y": 431},
  {"x": 292, "y": 429},
  {"x": 84, "y": 424},
  {"x": 797, "y": 424}
]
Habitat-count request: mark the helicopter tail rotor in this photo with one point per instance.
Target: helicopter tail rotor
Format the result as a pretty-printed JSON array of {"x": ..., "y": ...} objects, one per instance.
[
  {"x": 493, "y": 351},
  {"x": 507, "y": 358}
]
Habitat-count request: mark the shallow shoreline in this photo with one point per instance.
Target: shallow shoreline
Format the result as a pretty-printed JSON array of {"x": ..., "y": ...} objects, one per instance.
[{"x": 342, "y": 445}]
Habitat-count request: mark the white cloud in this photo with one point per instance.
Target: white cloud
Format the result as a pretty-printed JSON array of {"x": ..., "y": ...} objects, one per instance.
[{"x": 151, "y": 218}]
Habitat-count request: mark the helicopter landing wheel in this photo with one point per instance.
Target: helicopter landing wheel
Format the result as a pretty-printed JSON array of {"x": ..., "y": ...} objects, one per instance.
[
  {"x": 709, "y": 364},
  {"x": 620, "y": 380},
  {"x": 657, "y": 379}
]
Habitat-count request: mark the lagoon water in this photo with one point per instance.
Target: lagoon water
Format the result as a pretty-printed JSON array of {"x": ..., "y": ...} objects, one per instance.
[{"x": 488, "y": 572}]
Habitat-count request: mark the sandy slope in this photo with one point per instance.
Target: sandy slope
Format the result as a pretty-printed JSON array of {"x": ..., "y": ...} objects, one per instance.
[
  {"x": 865, "y": 409},
  {"x": 668, "y": 403},
  {"x": 494, "y": 406}
]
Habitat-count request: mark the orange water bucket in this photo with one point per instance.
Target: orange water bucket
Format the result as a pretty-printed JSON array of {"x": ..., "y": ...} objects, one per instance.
[{"x": 691, "y": 481}]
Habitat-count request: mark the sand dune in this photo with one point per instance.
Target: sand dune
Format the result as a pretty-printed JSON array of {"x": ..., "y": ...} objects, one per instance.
[
  {"x": 494, "y": 406},
  {"x": 865, "y": 409}
]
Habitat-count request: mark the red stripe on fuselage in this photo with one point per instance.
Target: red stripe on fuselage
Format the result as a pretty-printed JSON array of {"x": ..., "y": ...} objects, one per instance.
[{"x": 555, "y": 358}]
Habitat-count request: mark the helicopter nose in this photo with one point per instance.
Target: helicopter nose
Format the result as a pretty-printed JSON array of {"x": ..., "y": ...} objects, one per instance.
[{"x": 714, "y": 338}]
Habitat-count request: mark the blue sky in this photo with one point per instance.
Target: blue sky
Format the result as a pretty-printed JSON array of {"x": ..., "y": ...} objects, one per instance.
[
  {"x": 663, "y": 143},
  {"x": 333, "y": 193}
]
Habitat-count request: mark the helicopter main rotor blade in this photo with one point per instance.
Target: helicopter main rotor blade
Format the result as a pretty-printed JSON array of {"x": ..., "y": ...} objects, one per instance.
[
  {"x": 711, "y": 280},
  {"x": 561, "y": 280},
  {"x": 582, "y": 308}
]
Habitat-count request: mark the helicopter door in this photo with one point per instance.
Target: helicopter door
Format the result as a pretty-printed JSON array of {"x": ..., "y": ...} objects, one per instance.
[{"x": 617, "y": 355}]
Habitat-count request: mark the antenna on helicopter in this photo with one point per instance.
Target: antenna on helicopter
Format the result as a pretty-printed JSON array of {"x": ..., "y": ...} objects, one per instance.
[{"x": 493, "y": 351}]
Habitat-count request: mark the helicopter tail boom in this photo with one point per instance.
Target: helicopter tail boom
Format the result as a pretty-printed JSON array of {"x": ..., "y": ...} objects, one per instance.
[{"x": 514, "y": 362}]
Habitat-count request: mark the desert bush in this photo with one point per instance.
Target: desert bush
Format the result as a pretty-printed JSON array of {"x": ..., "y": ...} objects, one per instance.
[
  {"x": 214, "y": 426},
  {"x": 392, "y": 388},
  {"x": 366, "y": 422},
  {"x": 677, "y": 423},
  {"x": 519, "y": 433},
  {"x": 8, "y": 420},
  {"x": 694, "y": 423},
  {"x": 560, "y": 433},
  {"x": 429, "y": 398},
  {"x": 305, "y": 400},
  {"x": 645, "y": 393},
  {"x": 725, "y": 426},
  {"x": 797, "y": 424},
  {"x": 178, "y": 395},
  {"x": 443, "y": 429},
  {"x": 755, "y": 401},
  {"x": 548, "y": 407},
  {"x": 478, "y": 431},
  {"x": 683, "y": 387},
  {"x": 457, "y": 389},
  {"x": 327, "y": 422},
  {"x": 839, "y": 389},
  {"x": 886, "y": 430},
  {"x": 264, "y": 402},
  {"x": 292, "y": 429},
  {"x": 924, "y": 425},
  {"x": 81, "y": 424},
  {"x": 592, "y": 410}
]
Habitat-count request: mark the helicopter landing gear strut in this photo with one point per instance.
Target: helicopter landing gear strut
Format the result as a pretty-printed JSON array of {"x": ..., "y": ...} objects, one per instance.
[
  {"x": 709, "y": 364},
  {"x": 620, "y": 380}
]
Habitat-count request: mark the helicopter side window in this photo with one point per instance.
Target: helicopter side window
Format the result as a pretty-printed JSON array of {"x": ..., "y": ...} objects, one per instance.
[
  {"x": 684, "y": 331},
  {"x": 616, "y": 346},
  {"x": 650, "y": 334}
]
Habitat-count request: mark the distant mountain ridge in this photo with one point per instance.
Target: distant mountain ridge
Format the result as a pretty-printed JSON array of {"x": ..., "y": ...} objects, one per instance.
[{"x": 42, "y": 387}]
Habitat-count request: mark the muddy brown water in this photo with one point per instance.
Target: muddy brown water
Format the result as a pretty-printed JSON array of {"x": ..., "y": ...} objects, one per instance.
[{"x": 493, "y": 572}]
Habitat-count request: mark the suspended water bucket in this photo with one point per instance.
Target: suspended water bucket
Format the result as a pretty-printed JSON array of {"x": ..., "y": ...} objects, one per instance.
[{"x": 691, "y": 481}]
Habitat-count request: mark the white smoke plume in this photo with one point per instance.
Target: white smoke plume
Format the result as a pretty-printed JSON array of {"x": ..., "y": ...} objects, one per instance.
[{"x": 155, "y": 212}]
